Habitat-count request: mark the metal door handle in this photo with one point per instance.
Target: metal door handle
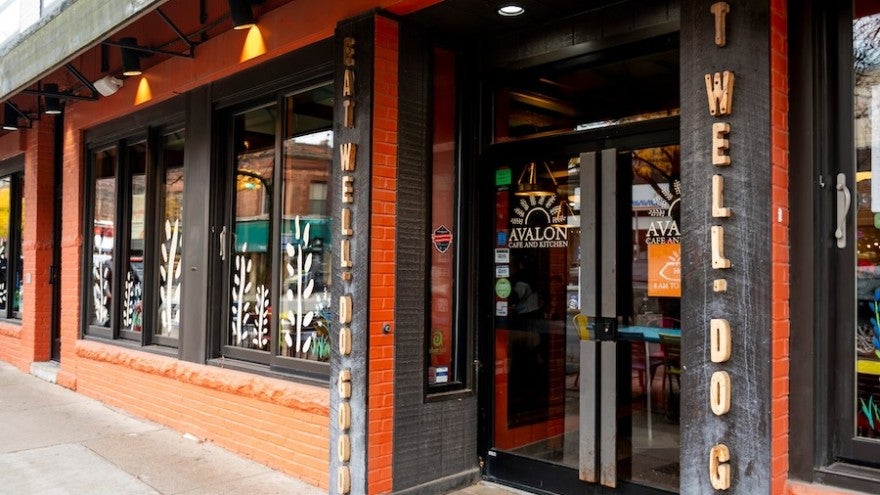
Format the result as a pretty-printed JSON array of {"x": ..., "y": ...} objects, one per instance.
[
  {"x": 223, "y": 243},
  {"x": 844, "y": 199}
]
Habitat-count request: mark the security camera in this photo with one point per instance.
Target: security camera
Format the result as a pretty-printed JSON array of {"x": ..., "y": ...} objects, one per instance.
[{"x": 107, "y": 85}]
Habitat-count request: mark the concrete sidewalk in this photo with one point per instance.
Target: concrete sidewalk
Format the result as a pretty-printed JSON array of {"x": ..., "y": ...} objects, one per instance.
[{"x": 54, "y": 441}]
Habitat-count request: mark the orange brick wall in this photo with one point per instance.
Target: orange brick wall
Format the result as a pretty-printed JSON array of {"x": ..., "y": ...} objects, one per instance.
[
  {"x": 382, "y": 258},
  {"x": 29, "y": 340},
  {"x": 280, "y": 423},
  {"x": 780, "y": 243},
  {"x": 11, "y": 350}
]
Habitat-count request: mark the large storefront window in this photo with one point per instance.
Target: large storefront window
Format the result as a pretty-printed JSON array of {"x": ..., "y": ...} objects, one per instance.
[
  {"x": 279, "y": 268},
  {"x": 135, "y": 240},
  {"x": 866, "y": 347},
  {"x": 11, "y": 227}
]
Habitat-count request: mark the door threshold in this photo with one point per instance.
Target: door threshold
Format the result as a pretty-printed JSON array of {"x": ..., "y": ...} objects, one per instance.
[{"x": 46, "y": 370}]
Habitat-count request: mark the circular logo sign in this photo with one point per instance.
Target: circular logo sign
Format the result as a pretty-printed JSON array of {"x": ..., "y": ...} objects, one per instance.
[{"x": 502, "y": 288}]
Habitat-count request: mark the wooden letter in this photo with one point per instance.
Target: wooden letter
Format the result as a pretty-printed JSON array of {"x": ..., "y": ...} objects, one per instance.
[
  {"x": 345, "y": 253},
  {"x": 348, "y": 52},
  {"x": 347, "y": 156},
  {"x": 718, "y": 209},
  {"x": 348, "y": 83},
  {"x": 346, "y": 222},
  {"x": 719, "y": 89},
  {"x": 343, "y": 418},
  {"x": 719, "y": 393},
  {"x": 343, "y": 480},
  {"x": 718, "y": 259},
  {"x": 720, "y": 9},
  {"x": 345, "y": 309},
  {"x": 344, "y": 384},
  {"x": 345, "y": 341},
  {"x": 719, "y": 467},
  {"x": 348, "y": 113},
  {"x": 719, "y": 340},
  {"x": 348, "y": 189},
  {"x": 719, "y": 285},
  {"x": 720, "y": 144},
  {"x": 343, "y": 448}
]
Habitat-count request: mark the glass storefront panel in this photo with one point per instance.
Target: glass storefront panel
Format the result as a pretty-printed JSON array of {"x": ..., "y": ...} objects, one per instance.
[
  {"x": 171, "y": 237},
  {"x": 540, "y": 323},
  {"x": 133, "y": 285},
  {"x": 250, "y": 322},
  {"x": 104, "y": 204},
  {"x": 306, "y": 234},
  {"x": 866, "y": 58}
]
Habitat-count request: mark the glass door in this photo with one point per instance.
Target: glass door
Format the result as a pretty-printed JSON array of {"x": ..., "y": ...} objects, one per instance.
[{"x": 586, "y": 306}]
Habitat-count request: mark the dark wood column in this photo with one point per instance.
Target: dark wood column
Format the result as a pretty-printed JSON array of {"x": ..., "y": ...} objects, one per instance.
[{"x": 744, "y": 244}]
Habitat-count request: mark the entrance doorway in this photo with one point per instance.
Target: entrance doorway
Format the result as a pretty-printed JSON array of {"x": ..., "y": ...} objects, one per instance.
[{"x": 585, "y": 338}]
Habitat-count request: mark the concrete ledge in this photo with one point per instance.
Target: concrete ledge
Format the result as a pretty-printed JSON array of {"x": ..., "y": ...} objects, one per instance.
[
  {"x": 445, "y": 484},
  {"x": 46, "y": 371}
]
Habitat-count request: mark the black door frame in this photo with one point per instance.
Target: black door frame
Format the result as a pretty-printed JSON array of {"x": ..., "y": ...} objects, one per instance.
[{"x": 506, "y": 468}]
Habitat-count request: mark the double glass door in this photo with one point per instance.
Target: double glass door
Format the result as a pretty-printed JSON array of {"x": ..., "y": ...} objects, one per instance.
[{"x": 586, "y": 335}]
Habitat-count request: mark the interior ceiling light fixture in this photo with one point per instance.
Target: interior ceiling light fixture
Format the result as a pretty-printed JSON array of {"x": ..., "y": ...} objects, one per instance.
[
  {"x": 131, "y": 58},
  {"x": 511, "y": 10},
  {"x": 531, "y": 186},
  {"x": 242, "y": 14},
  {"x": 53, "y": 104}
]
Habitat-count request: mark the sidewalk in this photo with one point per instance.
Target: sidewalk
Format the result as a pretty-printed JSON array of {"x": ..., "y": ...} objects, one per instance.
[{"x": 54, "y": 441}]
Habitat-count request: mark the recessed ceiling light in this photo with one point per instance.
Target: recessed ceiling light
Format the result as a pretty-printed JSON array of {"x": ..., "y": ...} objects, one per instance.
[{"x": 511, "y": 10}]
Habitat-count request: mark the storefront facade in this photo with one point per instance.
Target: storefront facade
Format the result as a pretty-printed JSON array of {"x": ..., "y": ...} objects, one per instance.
[{"x": 400, "y": 246}]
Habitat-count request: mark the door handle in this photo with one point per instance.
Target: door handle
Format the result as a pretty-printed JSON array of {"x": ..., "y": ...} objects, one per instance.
[
  {"x": 844, "y": 200},
  {"x": 223, "y": 243}
]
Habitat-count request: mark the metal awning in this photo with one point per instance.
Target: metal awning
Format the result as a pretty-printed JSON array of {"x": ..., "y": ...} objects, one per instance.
[{"x": 55, "y": 41}]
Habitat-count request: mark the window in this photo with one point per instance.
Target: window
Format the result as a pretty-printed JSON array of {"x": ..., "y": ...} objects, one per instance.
[
  {"x": 11, "y": 228},
  {"x": 444, "y": 343},
  {"x": 278, "y": 270},
  {"x": 135, "y": 242}
]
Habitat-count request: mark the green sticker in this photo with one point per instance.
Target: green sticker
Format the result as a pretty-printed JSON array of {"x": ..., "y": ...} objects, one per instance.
[
  {"x": 502, "y": 288},
  {"x": 503, "y": 177},
  {"x": 877, "y": 220}
]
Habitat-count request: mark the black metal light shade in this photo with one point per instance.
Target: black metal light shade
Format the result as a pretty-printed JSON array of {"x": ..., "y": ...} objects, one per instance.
[
  {"x": 242, "y": 14},
  {"x": 10, "y": 117},
  {"x": 131, "y": 59},
  {"x": 53, "y": 104}
]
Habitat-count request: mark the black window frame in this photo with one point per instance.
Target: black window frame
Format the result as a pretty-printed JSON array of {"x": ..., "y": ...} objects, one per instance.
[
  {"x": 14, "y": 169},
  {"x": 458, "y": 379},
  {"x": 822, "y": 443},
  {"x": 222, "y": 353},
  {"x": 122, "y": 140}
]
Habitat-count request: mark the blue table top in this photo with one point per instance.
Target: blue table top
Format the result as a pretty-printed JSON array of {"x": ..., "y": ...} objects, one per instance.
[{"x": 650, "y": 334}]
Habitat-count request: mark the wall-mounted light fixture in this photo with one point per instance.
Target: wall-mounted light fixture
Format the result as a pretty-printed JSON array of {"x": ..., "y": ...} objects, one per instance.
[
  {"x": 242, "y": 14},
  {"x": 131, "y": 57},
  {"x": 11, "y": 116},
  {"x": 53, "y": 103}
]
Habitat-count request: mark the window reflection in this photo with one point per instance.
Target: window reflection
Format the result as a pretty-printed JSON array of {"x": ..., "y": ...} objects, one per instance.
[{"x": 866, "y": 58}]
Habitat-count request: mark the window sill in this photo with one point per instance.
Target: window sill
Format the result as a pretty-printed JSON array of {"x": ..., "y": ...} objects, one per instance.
[
  {"x": 850, "y": 476},
  {"x": 457, "y": 394},
  {"x": 270, "y": 372},
  {"x": 170, "y": 352}
]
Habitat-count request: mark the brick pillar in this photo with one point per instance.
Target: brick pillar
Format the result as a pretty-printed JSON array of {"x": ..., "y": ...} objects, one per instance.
[{"x": 39, "y": 201}]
